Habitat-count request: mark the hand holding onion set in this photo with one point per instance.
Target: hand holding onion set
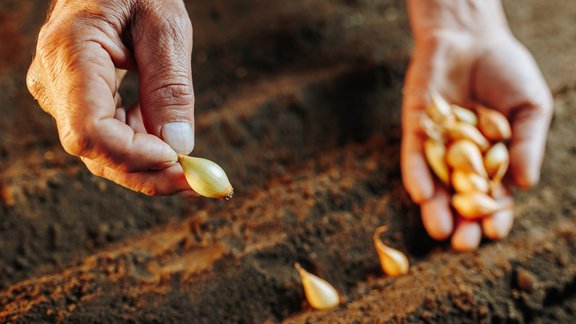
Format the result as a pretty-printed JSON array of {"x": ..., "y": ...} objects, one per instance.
[{"x": 467, "y": 152}]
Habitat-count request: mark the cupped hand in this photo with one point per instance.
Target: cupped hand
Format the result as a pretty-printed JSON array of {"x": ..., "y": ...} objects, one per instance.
[
  {"x": 469, "y": 65},
  {"x": 82, "y": 53}
]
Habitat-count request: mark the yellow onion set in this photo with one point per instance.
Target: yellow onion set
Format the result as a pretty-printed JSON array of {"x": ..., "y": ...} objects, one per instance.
[
  {"x": 466, "y": 150},
  {"x": 206, "y": 178},
  {"x": 322, "y": 295}
]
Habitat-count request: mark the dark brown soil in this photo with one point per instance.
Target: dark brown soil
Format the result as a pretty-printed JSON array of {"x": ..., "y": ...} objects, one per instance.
[{"x": 300, "y": 102}]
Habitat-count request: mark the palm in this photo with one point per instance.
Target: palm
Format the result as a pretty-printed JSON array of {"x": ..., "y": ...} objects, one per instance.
[{"x": 499, "y": 73}]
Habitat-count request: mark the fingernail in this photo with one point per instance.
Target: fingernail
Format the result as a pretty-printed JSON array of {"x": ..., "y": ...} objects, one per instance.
[{"x": 179, "y": 135}]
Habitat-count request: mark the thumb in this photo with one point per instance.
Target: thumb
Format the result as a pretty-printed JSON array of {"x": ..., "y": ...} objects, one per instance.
[
  {"x": 162, "y": 40},
  {"x": 509, "y": 80},
  {"x": 530, "y": 128}
]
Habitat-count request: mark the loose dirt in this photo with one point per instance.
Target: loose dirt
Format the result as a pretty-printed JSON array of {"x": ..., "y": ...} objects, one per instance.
[{"x": 300, "y": 102}]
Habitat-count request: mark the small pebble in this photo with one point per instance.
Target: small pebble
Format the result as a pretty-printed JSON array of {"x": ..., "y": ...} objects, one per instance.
[{"x": 526, "y": 280}]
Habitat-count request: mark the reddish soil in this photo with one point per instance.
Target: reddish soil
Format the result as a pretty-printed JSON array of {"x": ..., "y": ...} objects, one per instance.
[{"x": 300, "y": 102}]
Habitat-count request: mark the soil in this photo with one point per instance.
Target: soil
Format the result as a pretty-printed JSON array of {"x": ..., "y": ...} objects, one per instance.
[{"x": 300, "y": 102}]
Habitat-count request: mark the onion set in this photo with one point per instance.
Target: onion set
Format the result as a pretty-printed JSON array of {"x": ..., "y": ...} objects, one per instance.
[{"x": 466, "y": 150}]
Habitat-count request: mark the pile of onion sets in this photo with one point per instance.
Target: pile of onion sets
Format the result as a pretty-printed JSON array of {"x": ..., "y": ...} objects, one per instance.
[{"x": 467, "y": 151}]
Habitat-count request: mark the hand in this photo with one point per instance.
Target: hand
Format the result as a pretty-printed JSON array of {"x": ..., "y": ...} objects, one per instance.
[
  {"x": 465, "y": 51},
  {"x": 82, "y": 52}
]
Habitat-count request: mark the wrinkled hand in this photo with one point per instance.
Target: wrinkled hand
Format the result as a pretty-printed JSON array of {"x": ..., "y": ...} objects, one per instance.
[
  {"x": 468, "y": 60},
  {"x": 82, "y": 52}
]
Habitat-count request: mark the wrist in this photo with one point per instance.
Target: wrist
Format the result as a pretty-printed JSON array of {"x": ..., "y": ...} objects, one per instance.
[{"x": 472, "y": 18}]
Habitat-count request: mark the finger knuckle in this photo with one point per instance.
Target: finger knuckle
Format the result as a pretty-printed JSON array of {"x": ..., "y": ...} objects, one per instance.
[
  {"x": 77, "y": 142},
  {"x": 95, "y": 170},
  {"x": 33, "y": 81},
  {"x": 181, "y": 25},
  {"x": 38, "y": 89},
  {"x": 174, "y": 27},
  {"x": 174, "y": 94},
  {"x": 149, "y": 190},
  {"x": 49, "y": 40},
  {"x": 47, "y": 31},
  {"x": 47, "y": 46},
  {"x": 168, "y": 23},
  {"x": 170, "y": 17},
  {"x": 541, "y": 103}
]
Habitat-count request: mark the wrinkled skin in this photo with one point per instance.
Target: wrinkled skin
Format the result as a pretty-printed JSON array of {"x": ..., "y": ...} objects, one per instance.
[
  {"x": 467, "y": 54},
  {"x": 82, "y": 53}
]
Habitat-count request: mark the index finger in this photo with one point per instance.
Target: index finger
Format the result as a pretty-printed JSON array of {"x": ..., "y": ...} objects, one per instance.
[
  {"x": 416, "y": 175},
  {"x": 84, "y": 108}
]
